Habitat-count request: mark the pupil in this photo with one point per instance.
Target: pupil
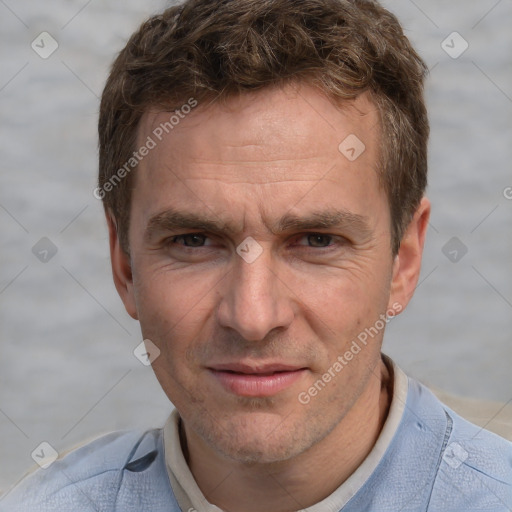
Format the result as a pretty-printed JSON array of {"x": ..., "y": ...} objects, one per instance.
[
  {"x": 319, "y": 240},
  {"x": 194, "y": 240}
]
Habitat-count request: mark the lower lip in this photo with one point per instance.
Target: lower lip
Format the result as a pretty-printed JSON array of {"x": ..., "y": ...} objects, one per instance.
[{"x": 257, "y": 385}]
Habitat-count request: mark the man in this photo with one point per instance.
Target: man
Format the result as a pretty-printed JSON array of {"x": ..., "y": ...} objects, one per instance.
[{"x": 263, "y": 170}]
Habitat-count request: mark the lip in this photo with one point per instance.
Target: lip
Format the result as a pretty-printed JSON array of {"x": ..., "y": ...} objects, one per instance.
[{"x": 256, "y": 380}]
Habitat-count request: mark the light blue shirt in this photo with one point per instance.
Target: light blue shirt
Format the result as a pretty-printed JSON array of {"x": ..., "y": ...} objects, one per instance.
[{"x": 436, "y": 462}]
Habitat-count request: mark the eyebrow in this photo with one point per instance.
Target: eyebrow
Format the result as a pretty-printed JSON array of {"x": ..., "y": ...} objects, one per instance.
[
  {"x": 327, "y": 219},
  {"x": 173, "y": 220}
]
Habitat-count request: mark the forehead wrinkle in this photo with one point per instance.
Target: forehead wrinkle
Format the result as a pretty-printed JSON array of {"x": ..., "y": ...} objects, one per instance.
[
  {"x": 266, "y": 181},
  {"x": 242, "y": 172},
  {"x": 293, "y": 159}
]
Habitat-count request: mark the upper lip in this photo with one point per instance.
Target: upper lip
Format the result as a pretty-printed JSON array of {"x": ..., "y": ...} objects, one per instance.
[{"x": 254, "y": 369}]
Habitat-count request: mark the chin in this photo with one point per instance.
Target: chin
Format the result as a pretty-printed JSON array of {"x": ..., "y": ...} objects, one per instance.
[
  {"x": 257, "y": 437},
  {"x": 260, "y": 450}
]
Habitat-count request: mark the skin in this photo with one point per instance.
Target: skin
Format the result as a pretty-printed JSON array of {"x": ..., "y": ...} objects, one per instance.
[{"x": 246, "y": 164}]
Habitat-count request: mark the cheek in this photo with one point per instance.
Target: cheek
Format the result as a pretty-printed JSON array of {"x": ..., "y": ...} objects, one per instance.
[
  {"x": 173, "y": 309},
  {"x": 172, "y": 294},
  {"x": 342, "y": 299},
  {"x": 343, "y": 310},
  {"x": 173, "y": 313}
]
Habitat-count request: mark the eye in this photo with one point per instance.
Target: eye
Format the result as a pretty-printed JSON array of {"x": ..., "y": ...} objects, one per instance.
[
  {"x": 317, "y": 240},
  {"x": 190, "y": 240}
]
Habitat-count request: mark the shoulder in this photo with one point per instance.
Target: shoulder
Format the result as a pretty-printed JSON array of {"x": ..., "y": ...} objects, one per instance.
[
  {"x": 474, "y": 470},
  {"x": 125, "y": 466}
]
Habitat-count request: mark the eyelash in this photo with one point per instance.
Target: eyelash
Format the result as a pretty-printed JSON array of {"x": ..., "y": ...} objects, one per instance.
[{"x": 173, "y": 240}]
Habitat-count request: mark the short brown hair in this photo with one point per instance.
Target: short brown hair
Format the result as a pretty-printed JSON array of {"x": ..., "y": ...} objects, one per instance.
[{"x": 212, "y": 49}]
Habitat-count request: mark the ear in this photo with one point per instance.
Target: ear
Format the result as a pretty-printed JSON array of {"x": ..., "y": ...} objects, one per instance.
[
  {"x": 407, "y": 264},
  {"x": 121, "y": 268}
]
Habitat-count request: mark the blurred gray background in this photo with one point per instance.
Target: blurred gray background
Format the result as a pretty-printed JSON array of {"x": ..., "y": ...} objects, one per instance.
[{"x": 67, "y": 370}]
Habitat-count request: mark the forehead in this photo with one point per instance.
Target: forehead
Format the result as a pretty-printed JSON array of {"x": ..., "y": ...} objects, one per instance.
[
  {"x": 271, "y": 146},
  {"x": 275, "y": 124}
]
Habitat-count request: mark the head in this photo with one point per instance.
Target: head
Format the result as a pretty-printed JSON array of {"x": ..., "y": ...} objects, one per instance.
[{"x": 262, "y": 168}]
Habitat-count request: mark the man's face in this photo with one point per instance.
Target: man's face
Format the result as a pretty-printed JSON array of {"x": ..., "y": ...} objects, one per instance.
[{"x": 244, "y": 334}]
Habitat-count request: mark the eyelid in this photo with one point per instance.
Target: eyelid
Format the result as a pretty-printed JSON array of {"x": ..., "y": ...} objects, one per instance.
[
  {"x": 183, "y": 235},
  {"x": 334, "y": 238}
]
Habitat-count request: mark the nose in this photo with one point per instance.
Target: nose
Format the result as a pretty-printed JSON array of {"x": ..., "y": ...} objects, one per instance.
[{"x": 255, "y": 299}]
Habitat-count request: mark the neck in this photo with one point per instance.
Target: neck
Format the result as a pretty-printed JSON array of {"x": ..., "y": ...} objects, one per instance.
[{"x": 300, "y": 482}]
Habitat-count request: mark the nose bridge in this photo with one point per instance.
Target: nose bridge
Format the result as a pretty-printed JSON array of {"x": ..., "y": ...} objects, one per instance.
[
  {"x": 253, "y": 302},
  {"x": 253, "y": 280}
]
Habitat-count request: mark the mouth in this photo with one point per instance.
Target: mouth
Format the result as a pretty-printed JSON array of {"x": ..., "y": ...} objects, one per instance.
[{"x": 257, "y": 380}]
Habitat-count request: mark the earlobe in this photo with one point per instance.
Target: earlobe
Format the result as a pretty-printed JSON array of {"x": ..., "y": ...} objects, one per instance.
[
  {"x": 407, "y": 264},
  {"x": 121, "y": 268}
]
